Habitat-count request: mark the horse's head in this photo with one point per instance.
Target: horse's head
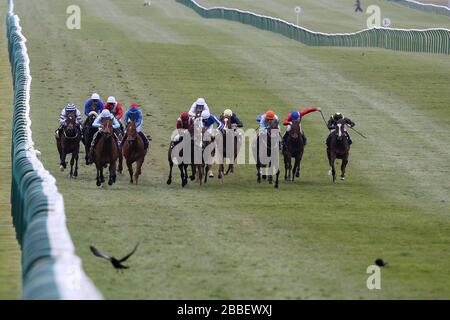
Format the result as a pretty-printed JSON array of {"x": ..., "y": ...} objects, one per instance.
[
  {"x": 92, "y": 116},
  {"x": 341, "y": 128},
  {"x": 107, "y": 126},
  {"x": 227, "y": 122},
  {"x": 294, "y": 133},
  {"x": 131, "y": 130}
]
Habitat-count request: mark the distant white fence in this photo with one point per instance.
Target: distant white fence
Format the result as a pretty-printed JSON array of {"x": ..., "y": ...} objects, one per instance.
[{"x": 426, "y": 7}]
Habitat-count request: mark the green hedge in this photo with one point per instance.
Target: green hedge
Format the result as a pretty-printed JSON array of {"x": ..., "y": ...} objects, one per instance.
[
  {"x": 429, "y": 40},
  {"x": 50, "y": 268}
]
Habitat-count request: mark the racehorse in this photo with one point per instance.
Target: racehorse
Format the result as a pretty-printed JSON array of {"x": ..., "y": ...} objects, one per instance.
[
  {"x": 182, "y": 165},
  {"x": 293, "y": 148},
  {"x": 133, "y": 151},
  {"x": 338, "y": 148},
  {"x": 69, "y": 143},
  {"x": 106, "y": 152},
  {"x": 229, "y": 133},
  {"x": 198, "y": 146},
  {"x": 264, "y": 140},
  {"x": 88, "y": 133}
]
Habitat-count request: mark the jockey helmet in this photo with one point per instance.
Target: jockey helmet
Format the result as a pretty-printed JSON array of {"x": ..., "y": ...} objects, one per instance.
[
  {"x": 228, "y": 113},
  {"x": 184, "y": 116},
  {"x": 270, "y": 115},
  {"x": 105, "y": 113},
  {"x": 205, "y": 114},
  {"x": 295, "y": 115},
  {"x": 71, "y": 107},
  {"x": 111, "y": 100},
  {"x": 337, "y": 116},
  {"x": 134, "y": 106},
  {"x": 95, "y": 96},
  {"x": 200, "y": 102}
]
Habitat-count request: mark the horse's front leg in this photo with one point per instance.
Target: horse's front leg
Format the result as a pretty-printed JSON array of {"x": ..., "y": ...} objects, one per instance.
[
  {"x": 99, "y": 182},
  {"x": 120, "y": 161},
  {"x": 343, "y": 167},
  {"x": 333, "y": 170},
  {"x": 130, "y": 171},
  {"x": 112, "y": 173},
  {"x": 138, "y": 170},
  {"x": 72, "y": 162},
  {"x": 76, "y": 155},
  {"x": 258, "y": 173},
  {"x": 276, "y": 179},
  {"x": 62, "y": 164},
  {"x": 169, "y": 179},
  {"x": 194, "y": 173}
]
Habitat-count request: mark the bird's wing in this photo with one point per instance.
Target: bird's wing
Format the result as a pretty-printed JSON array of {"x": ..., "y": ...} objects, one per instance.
[
  {"x": 130, "y": 254},
  {"x": 97, "y": 253}
]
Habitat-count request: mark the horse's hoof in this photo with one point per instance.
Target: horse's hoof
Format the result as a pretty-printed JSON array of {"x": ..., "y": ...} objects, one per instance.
[
  {"x": 110, "y": 182},
  {"x": 169, "y": 181},
  {"x": 330, "y": 173},
  {"x": 342, "y": 178},
  {"x": 98, "y": 183},
  {"x": 297, "y": 175},
  {"x": 276, "y": 186},
  {"x": 61, "y": 168},
  {"x": 192, "y": 178}
]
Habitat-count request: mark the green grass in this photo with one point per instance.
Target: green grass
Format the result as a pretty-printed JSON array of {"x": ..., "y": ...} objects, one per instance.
[
  {"x": 9, "y": 249},
  {"x": 336, "y": 16},
  {"x": 309, "y": 239}
]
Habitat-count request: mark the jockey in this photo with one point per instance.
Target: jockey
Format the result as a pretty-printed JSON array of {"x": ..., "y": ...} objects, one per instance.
[
  {"x": 264, "y": 120},
  {"x": 208, "y": 121},
  {"x": 296, "y": 116},
  {"x": 184, "y": 122},
  {"x": 235, "y": 122},
  {"x": 198, "y": 106},
  {"x": 93, "y": 104},
  {"x": 116, "y": 109},
  {"x": 63, "y": 116},
  {"x": 134, "y": 114},
  {"x": 333, "y": 122},
  {"x": 105, "y": 114}
]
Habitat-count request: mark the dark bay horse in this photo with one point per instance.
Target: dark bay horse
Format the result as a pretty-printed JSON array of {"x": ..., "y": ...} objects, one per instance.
[
  {"x": 133, "y": 151},
  {"x": 69, "y": 143},
  {"x": 338, "y": 148},
  {"x": 227, "y": 152},
  {"x": 293, "y": 148},
  {"x": 106, "y": 153},
  {"x": 182, "y": 165},
  {"x": 88, "y": 133},
  {"x": 264, "y": 141}
]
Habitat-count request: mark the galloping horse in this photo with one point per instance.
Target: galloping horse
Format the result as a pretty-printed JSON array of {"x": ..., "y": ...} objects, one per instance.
[
  {"x": 264, "y": 140},
  {"x": 293, "y": 149},
  {"x": 69, "y": 142},
  {"x": 338, "y": 148},
  {"x": 227, "y": 132},
  {"x": 106, "y": 152},
  {"x": 88, "y": 133},
  {"x": 198, "y": 146},
  {"x": 182, "y": 165},
  {"x": 133, "y": 151}
]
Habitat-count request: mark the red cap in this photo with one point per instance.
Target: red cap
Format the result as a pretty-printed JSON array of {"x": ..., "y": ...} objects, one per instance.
[
  {"x": 134, "y": 105},
  {"x": 184, "y": 116}
]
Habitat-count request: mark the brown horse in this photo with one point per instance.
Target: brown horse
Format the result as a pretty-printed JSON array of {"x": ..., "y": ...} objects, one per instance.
[
  {"x": 133, "y": 151},
  {"x": 69, "y": 143},
  {"x": 293, "y": 148},
  {"x": 264, "y": 142},
  {"x": 229, "y": 152},
  {"x": 106, "y": 152},
  {"x": 338, "y": 148}
]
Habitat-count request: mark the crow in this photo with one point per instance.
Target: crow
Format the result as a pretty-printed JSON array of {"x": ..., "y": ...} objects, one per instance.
[
  {"x": 117, "y": 263},
  {"x": 380, "y": 262}
]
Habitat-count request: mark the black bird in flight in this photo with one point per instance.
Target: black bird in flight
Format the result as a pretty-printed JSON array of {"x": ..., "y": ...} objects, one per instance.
[
  {"x": 380, "y": 262},
  {"x": 117, "y": 263}
]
